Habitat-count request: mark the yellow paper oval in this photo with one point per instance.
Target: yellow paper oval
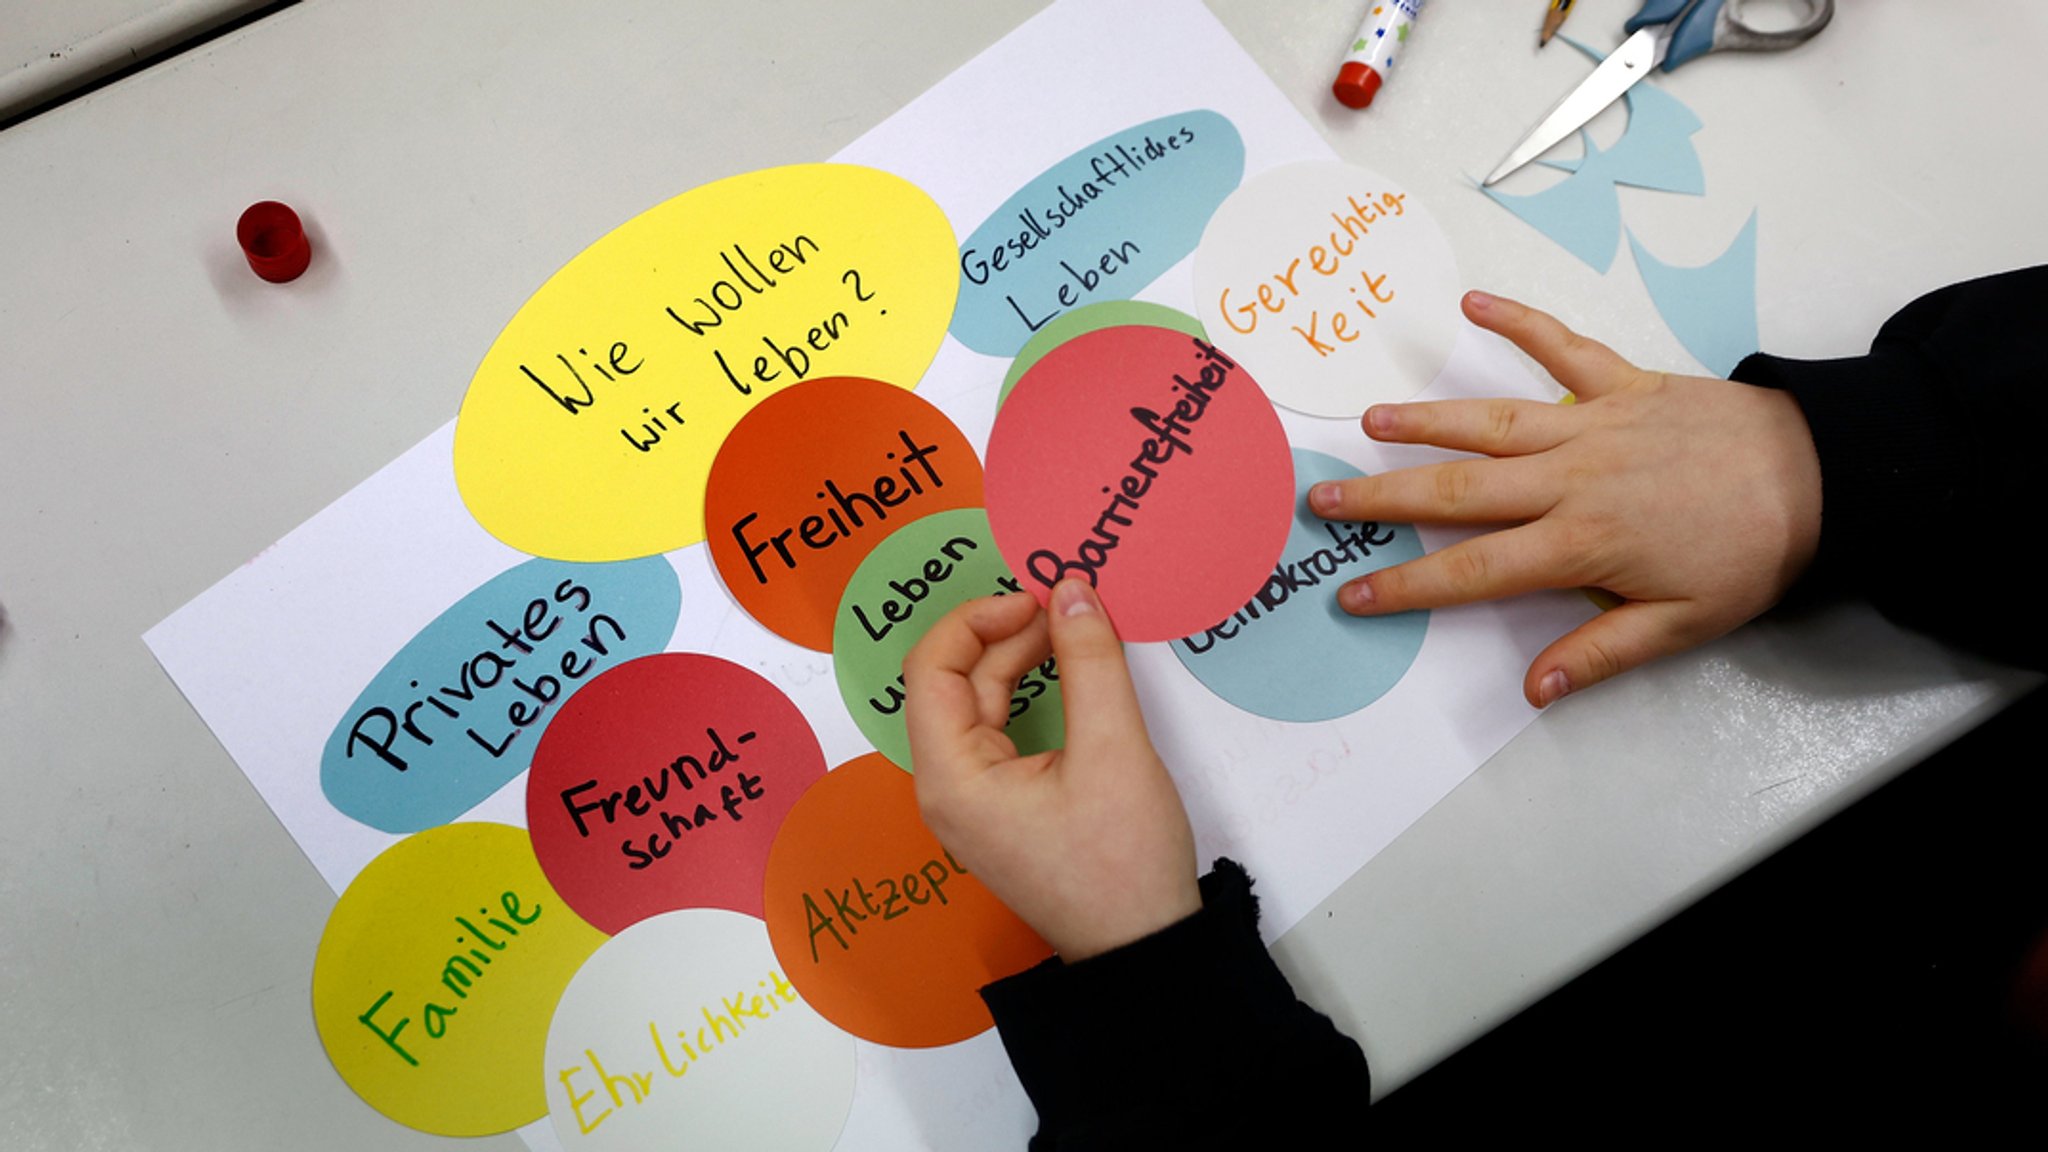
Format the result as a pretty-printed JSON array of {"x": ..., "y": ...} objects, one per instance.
[
  {"x": 438, "y": 973},
  {"x": 589, "y": 429}
]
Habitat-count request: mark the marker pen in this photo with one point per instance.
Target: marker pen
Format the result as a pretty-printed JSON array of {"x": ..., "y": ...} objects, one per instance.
[{"x": 1383, "y": 36}]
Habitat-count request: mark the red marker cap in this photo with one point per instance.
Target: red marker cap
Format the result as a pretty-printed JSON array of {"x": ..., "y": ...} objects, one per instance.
[
  {"x": 274, "y": 241},
  {"x": 1356, "y": 84}
]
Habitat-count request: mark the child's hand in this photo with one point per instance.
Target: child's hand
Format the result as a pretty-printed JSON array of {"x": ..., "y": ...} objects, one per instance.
[
  {"x": 1089, "y": 844},
  {"x": 1697, "y": 501}
]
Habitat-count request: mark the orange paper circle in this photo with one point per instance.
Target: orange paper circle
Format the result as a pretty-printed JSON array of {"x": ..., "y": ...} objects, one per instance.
[
  {"x": 876, "y": 924},
  {"x": 811, "y": 480}
]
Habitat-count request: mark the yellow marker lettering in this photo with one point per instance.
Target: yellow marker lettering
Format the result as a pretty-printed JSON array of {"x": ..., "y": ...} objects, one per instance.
[
  {"x": 661, "y": 1050},
  {"x": 576, "y": 1103}
]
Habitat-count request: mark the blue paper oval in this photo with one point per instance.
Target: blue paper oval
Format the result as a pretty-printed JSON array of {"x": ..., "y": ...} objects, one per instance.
[
  {"x": 1290, "y": 653},
  {"x": 456, "y": 713},
  {"x": 1099, "y": 225}
]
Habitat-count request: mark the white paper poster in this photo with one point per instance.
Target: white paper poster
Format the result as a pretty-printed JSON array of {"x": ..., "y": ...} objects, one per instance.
[{"x": 1078, "y": 161}]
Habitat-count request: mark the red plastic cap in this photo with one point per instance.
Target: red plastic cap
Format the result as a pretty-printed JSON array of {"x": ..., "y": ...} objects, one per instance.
[
  {"x": 274, "y": 241},
  {"x": 1356, "y": 84}
]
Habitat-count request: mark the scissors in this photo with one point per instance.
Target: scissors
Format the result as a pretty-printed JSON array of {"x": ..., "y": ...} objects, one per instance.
[{"x": 1664, "y": 34}]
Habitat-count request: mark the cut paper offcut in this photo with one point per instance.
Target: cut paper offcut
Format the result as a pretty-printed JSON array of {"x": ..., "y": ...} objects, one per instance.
[
  {"x": 591, "y": 424},
  {"x": 1099, "y": 225},
  {"x": 876, "y": 924},
  {"x": 1290, "y": 653},
  {"x": 1332, "y": 284},
  {"x": 683, "y": 1032},
  {"x": 455, "y": 715},
  {"x": 1711, "y": 308},
  {"x": 1148, "y": 463},
  {"x": 812, "y": 480},
  {"x": 662, "y": 784},
  {"x": 1094, "y": 318},
  {"x": 1582, "y": 213},
  {"x": 1655, "y": 150},
  {"x": 436, "y": 975},
  {"x": 1570, "y": 163},
  {"x": 921, "y": 572}
]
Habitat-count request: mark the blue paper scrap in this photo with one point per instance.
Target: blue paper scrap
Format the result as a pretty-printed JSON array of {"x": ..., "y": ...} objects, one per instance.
[
  {"x": 1290, "y": 653},
  {"x": 1712, "y": 308},
  {"x": 1655, "y": 151},
  {"x": 1582, "y": 213},
  {"x": 1571, "y": 163}
]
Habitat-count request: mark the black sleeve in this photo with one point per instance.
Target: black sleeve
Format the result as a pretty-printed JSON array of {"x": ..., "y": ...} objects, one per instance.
[
  {"x": 1190, "y": 1038},
  {"x": 1931, "y": 454}
]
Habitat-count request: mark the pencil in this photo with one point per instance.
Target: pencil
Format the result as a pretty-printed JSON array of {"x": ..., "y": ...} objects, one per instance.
[{"x": 1553, "y": 20}]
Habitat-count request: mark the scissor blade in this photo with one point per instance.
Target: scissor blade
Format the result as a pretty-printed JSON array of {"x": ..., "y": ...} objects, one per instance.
[{"x": 1615, "y": 75}]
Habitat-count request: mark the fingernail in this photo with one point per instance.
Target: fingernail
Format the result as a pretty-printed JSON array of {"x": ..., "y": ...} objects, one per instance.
[
  {"x": 1479, "y": 301},
  {"x": 1379, "y": 419},
  {"x": 1552, "y": 688},
  {"x": 1073, "y": 597},
  {"x": 1324, "y": 497},
  {"x": 1357, "y": 595}
]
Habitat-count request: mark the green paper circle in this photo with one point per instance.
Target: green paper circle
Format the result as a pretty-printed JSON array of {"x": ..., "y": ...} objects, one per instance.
[
  {"x": 1092, "y": 318},
  {"x": 921, "y": 572}
]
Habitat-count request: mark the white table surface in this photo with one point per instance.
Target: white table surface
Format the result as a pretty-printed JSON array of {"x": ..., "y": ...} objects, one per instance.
[
  {"x": 49, "y": 48},
  {"x": 166, "y": 416}
]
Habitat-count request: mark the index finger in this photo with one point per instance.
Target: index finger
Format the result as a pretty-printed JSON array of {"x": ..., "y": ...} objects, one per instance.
[
  {"x": 1587, "y": 367},
  {"x": 941, "y": 710},
  {"x": 1453, "y": 492},
  {"x": 1498, "y": 427}
]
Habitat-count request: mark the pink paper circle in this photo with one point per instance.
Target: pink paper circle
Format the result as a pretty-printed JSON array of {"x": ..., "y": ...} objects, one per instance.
[
  {"x": 661, "y": 785},
  {"x": 1150, "y": 463}
]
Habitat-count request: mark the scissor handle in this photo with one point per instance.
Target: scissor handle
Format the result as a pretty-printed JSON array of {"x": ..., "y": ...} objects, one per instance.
[
  {"x": 1657, "y": 12},
  {"x": 1698, "y": 27},
  {"x": 1733, "y": 34}
]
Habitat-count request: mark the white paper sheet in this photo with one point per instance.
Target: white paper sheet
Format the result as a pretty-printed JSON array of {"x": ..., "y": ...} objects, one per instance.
[{"x": 273, "y": 655}]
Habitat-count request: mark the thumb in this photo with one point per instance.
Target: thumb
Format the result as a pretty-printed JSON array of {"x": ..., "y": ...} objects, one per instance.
[{"x": 1095, "y": 682}]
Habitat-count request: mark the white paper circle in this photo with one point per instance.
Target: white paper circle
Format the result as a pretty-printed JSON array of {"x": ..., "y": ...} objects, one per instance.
[
  {"x": 1332, "y": 284},
  {"x": 681, "y": 1032}
]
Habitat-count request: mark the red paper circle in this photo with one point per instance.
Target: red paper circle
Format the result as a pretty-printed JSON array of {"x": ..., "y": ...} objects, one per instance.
[
  {"x": 661, "y": 785},
  {"x": 1150, "y": 463}
]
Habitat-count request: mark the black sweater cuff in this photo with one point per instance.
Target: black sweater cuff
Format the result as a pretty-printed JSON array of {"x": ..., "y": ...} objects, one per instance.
[
  {"x": 1890, "y": 453},
  {"x": 1931, "y": 466},
  {"x": 1138, "y": 1036}
]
